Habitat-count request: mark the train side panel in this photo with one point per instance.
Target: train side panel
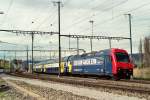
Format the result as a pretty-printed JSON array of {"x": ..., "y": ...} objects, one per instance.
[
  {"x": 38, "y": 68},
  {"x": 52, "y": 68},
  {"x": 92, "y": 66},
  {"x": 108, "y": 65}
]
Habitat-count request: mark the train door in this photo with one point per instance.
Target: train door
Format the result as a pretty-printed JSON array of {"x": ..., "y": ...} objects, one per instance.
[
  {"x": 101, "y": 64},
  {"x": 69, "y": 65},
  {"x": 108, "y": 65}
]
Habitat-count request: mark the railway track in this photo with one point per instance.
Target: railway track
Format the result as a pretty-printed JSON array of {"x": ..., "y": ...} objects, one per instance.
[
  {"x": 135, "y": 86},
  {"x": 92, "y": 78},
  {"x": 137, "y": 81}
]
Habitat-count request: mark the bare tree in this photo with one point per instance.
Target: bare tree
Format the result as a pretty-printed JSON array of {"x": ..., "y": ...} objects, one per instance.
[
  {"x": 141, "y": 52},
  {"x": 147, "y": 51}
]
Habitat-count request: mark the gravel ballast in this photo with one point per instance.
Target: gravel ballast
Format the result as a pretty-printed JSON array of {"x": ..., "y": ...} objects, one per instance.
[
  {"x": 9, "y": 93},
  {"x": 79, "y": 93},
  {"x": 49, "y": 93}
]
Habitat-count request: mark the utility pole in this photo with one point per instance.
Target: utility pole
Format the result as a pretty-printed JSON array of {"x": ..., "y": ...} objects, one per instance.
[
  {"x": 27, "y": 58},
  {"x": 1, "y": 12},
  {"x": 32, "y": 50},
  {"x": 50, "y": 56},
  {"x": 91, "y": 21},
  {"x": 4, "y": 60},
  {"x": 0, "y": 62},
  {"x": 77, "y": 46},
  {"x": 9, "y": 64},
  {"x": 109, "y": 43},
  {"x": 130, "y": 29},
  {"x": 59, "y": 36},
  {"x": 69, "y": 42},
  {"x": 15, "y": 54}
]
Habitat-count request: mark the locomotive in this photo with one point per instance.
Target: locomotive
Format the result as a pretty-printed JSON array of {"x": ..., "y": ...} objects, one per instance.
[{"x": 113, "y": 62}]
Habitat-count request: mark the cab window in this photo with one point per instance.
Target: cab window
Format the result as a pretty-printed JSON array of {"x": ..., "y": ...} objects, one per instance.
[{"x": 122, "y": 57}]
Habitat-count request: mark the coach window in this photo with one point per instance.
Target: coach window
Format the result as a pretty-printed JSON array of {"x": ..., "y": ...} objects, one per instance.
[{"x": 100, "y": 60}]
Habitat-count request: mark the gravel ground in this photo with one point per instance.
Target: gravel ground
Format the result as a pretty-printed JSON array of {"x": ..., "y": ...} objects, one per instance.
[
  {"x": 53, "y": 90},
  {"x": 49, "y": 93},
  {"x": 13, "y": 94},
  {"x": 10, "y": 93}
]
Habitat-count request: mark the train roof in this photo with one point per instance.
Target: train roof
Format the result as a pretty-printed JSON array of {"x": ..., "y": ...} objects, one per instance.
[
  {"x": 97, "y": 53},
  {"x": 85, "y": 55}
]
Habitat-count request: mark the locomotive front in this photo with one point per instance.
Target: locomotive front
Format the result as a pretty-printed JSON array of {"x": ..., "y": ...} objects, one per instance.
[{"x": 122, "y": 64}]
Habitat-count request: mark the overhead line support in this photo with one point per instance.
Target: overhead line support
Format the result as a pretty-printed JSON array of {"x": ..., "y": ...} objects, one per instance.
[{"x": 59, "y": 37}]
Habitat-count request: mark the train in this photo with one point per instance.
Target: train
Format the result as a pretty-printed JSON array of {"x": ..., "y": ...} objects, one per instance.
[{"x": 114, "y": 63}]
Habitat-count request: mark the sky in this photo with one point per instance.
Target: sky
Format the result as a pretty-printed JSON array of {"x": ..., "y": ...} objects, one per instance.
[{"x": 42, "y": 15}]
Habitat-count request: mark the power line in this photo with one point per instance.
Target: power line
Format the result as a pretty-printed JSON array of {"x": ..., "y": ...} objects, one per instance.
[
  {"x": 87, "y": 17},
  {"x": 119, "y": 15},
  {"x": 50, "y": 17},
  {"x": 141, "y": 6},
  {"x": 7, "y": 12}
]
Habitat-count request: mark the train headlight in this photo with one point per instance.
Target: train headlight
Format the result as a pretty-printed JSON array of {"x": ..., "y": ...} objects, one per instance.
[{"x": 130, "y": 69}]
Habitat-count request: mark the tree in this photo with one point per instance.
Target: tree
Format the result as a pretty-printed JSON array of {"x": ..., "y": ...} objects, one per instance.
[
  {"x": 147, "y": 51},
  {"x": 141, "y": 52}
]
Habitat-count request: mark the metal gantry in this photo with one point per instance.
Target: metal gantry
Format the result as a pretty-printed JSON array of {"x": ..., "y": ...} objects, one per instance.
[
  {"x": 29, "y": 32},
  {"x": 32, "y": 34},
  {"x": 41, "y": 50},
  {"x": 94, "y": 37}
]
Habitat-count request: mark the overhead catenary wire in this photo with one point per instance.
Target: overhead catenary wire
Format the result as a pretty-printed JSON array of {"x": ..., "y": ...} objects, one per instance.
[
  {"x": 110, "y": 19},
  {"x": 7, "y": 12},
  {"x": 79, "y": 21},
  {"x": 115, "y": 17},
  {"x": 50, "y": 18}
]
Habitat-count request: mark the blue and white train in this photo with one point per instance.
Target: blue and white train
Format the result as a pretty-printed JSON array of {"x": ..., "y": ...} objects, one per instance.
[{"x": 111, "y": 62}]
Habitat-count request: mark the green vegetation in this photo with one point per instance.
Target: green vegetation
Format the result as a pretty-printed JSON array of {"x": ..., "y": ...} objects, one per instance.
[
  {"x": 2, "y": 94},
  {"x": 4, "y": 64},
  {"x": 2, "y": 82}
]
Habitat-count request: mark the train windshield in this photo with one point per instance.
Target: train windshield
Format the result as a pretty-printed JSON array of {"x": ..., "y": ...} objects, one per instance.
[{"x": 122, "y": 57}]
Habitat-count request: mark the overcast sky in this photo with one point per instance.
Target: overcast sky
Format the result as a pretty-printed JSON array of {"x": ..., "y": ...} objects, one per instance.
[{"x": 108, "y": 16}]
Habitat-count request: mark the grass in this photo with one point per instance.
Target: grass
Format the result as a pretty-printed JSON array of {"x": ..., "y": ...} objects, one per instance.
[
  {"x": 142, "y": 73},
  {"x": 1, "y": 94}
]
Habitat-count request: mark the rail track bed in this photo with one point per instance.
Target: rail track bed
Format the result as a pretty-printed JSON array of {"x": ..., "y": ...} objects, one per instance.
[
  {"x": 137, "y": 87},
  {"x": 137, "y": 81}
]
